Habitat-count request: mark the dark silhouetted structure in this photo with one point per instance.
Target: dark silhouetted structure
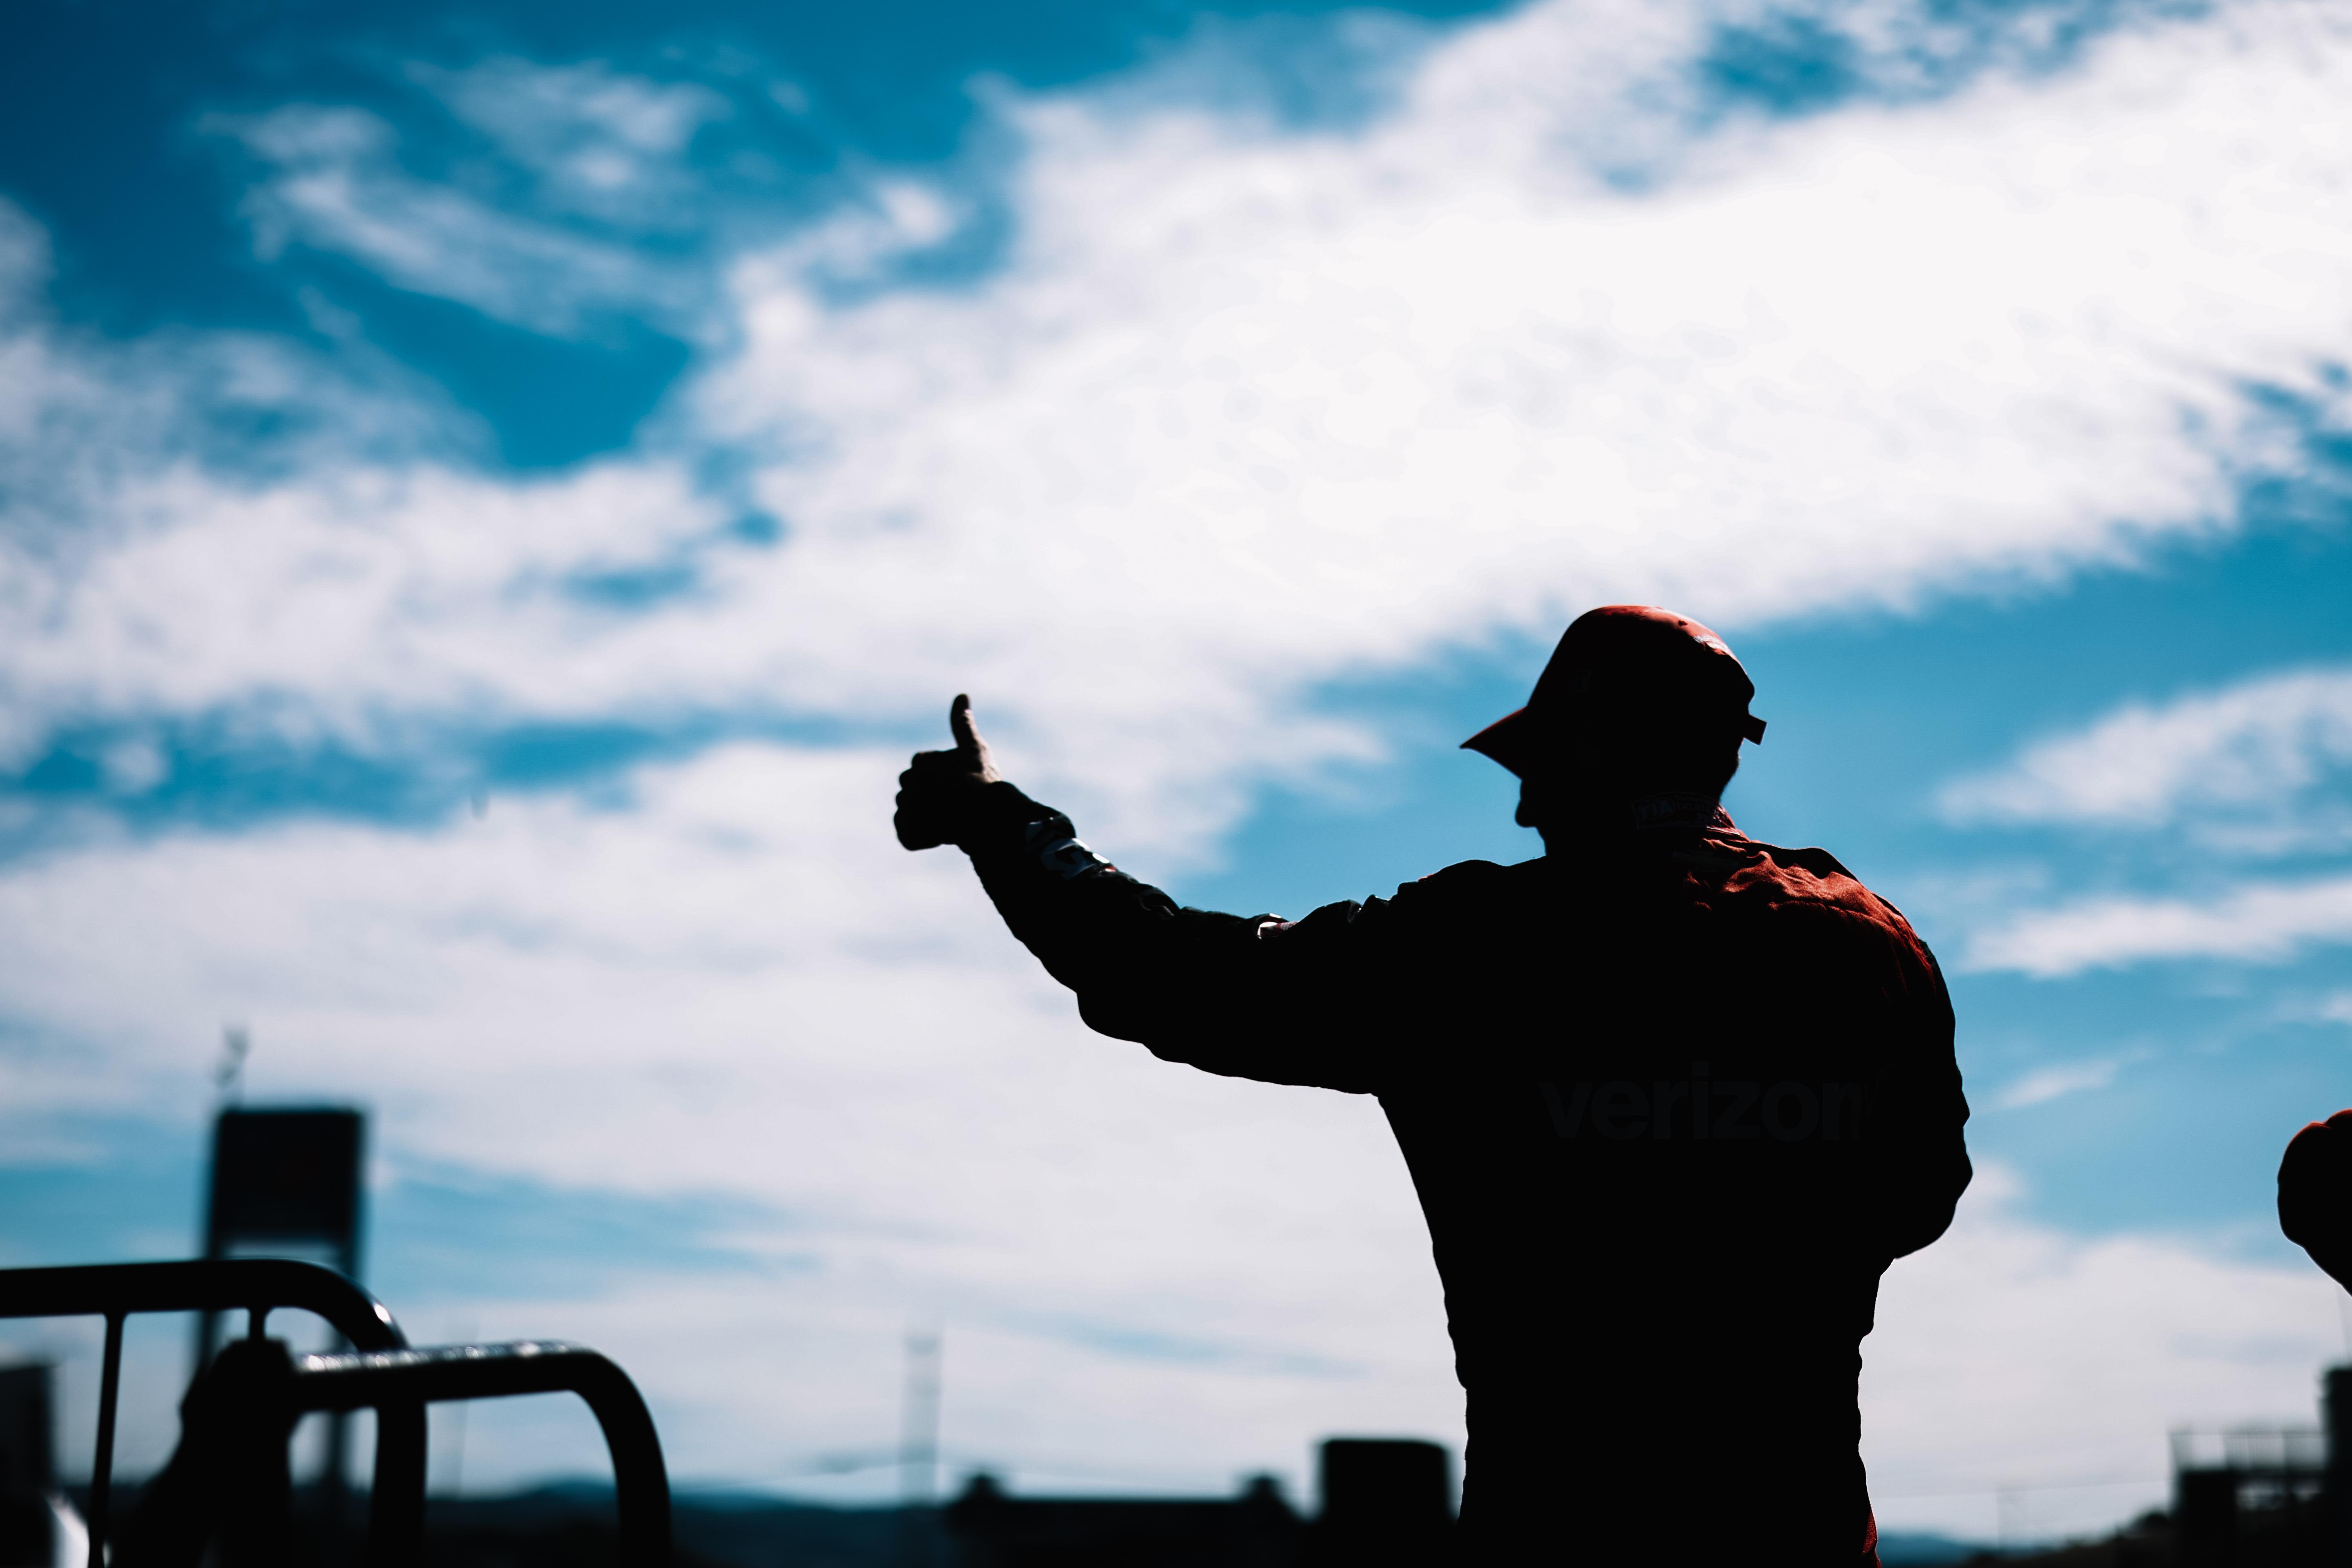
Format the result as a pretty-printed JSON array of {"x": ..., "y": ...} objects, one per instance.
[
  {"x": 1672, "y": 1098},
  {"x": 991, "y": 1530},
  {"x": 919, "y": 1454},
  {"x": 1386, "y": 1503},
  {"x": 2273, "y": 1478},
  {"x": 28, "y": 1469},
  {"x": 225, "y": 1495},
  {"x": 291, "y": 1179}
]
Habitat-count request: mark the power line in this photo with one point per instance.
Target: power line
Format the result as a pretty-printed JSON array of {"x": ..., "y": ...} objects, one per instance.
[{"x": 2037, "y": 1487}]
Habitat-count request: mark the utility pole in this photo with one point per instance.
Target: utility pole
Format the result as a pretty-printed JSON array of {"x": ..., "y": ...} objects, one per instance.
[
  {"x": 918, "y": 1454},
  {"x": 286, "y": 1181},
  {"x": 236, "y": 1044}
]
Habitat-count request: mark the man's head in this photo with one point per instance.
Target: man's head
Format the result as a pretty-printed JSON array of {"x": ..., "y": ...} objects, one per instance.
[{"x": 1637, "y": 701}]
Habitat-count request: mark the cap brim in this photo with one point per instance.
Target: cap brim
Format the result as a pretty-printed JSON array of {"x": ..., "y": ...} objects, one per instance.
[
  {"x": 1506, "y": 741},
  {"x": 1509, "y": 739}
]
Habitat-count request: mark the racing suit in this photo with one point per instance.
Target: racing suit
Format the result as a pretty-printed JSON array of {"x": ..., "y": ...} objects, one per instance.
[{"x": 1672, "y": 1099}]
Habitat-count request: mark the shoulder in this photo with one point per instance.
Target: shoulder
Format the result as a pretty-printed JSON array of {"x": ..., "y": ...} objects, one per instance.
[
  {"x": 1812, "y": 884},
  {"x": 1434, "y": 902},
  {"x": 1467, "y": 882},
  {"x": 1782, "y": 873},
  {"x": 1461, "y": 897},
  {"x": 1466, "y": 885}
]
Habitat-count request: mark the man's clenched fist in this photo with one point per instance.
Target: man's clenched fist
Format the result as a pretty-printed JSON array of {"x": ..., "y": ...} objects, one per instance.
[{"x": 937, "y": 791}]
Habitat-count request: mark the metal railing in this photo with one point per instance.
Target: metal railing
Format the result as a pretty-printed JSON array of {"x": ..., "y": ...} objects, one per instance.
[
  {"x": 382, "y": 1373},
  {"x": 408, "y": 1378},
  {"x": 259, "y": 1286}
]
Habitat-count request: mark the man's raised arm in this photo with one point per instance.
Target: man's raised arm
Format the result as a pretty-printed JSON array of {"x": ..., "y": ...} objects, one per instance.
[{"x": 1191, "y": 984}]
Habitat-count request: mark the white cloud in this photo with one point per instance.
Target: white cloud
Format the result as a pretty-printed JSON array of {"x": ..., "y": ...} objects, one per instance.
[
  {"x": 2253, "y": 748},
  {"x": 539, "y": 112},
  {"x": 334, "y": 185},
  {"x": 134, "y": 764},
  {"x": 605, "y": 143},
  {"x": 2257, "y": 922},
  {"x": 2044, "y": 1084},
  {"x": 1846, "y": 359},
  {"x": 1247, "y": 409},
  {"x": 356, "y": 597}
]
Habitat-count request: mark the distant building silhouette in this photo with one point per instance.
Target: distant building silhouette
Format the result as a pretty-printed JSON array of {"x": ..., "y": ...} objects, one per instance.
[
  {"x": 28, "y": 1479},
  {"x": 1385, "y": 1502},
  {"x": 289, "y": 1181},
  {"x": 2254, "y": 1495}
]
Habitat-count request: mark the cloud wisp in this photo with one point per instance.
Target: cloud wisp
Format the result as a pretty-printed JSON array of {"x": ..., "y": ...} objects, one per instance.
[
  {"x": 2253, "y": 923},
  {"x": 604, "y": 143},
  {"x": 2061, "y": 1079},
  {"x": 2255, "y": 770},
  {"x": 335, "y": 185},
  {"x": 2250, "y": 751}
]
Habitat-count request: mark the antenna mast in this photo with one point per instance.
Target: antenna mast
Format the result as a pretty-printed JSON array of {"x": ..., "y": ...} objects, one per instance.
[{"x": 918, "y": 1453}]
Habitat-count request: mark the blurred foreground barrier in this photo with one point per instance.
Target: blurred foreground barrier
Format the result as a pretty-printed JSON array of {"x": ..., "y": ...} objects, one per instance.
[
  {"x": 258, "y": 1285},
  {"x": 382, "y": 1374},
  {"x": 409, "y": 1379}
]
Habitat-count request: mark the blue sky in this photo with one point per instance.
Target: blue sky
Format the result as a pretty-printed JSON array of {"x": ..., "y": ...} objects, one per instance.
[{"x": 491, "y": 493}]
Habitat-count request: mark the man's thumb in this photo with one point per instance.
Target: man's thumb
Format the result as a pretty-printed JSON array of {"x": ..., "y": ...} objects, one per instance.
[{"x": 967, "y": 737}]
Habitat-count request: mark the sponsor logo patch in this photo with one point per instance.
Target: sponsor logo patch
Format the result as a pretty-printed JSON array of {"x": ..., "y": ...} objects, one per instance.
[{"x": 1703, "y": 1108}]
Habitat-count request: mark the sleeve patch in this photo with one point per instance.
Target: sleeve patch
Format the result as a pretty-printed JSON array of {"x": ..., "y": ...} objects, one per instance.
[{"x": 1060, "y": 851}]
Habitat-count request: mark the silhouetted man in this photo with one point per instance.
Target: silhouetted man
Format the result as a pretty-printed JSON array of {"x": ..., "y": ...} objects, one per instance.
[{"x": 1672, "y": 1099}]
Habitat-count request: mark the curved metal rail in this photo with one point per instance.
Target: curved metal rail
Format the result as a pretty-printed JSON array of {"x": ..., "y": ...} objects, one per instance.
[
  {"x": 411, "y": 1378},
  {"x": 260, "y": 1286}
]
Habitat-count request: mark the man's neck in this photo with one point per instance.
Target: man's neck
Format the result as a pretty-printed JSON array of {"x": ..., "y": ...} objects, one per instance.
[
  {"x": 1676, "y": 810},
  {"x": 1666, "y": 816}
]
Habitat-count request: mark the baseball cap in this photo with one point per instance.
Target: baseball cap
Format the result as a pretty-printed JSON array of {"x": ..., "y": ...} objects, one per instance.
[{"x": 1622, "y": 654}]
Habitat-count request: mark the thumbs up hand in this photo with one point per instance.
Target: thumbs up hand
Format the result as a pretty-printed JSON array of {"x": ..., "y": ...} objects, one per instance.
[{"x": 939, "y": 788}]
